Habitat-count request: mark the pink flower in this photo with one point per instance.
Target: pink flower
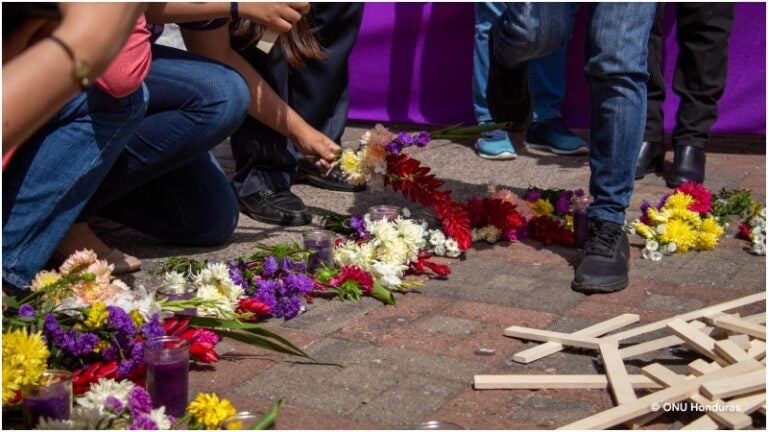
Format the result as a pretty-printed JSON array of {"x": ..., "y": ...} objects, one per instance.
[
  {"x": 356, "y": 274},
  {"x": 702, "y": 197}
]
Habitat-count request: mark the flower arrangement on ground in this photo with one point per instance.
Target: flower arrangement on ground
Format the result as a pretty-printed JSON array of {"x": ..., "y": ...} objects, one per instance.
[
  {"x": 552, "y": 220},
  {"x": 380, "y": 159},
  {"x": 496, "y": 217},
  {"x": 682, "y": 221}
]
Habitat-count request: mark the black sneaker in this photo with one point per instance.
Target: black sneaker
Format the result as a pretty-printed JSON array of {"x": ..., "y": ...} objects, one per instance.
[
  {"x": 334, "y": 181},
  {"x": 507, "y": 94},
  {"x": 605, "y": 266},
  {"x": 276, "y": 207}
]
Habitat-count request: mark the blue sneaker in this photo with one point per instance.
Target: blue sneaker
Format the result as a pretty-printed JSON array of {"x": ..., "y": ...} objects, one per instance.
[
  {"x": 553, "y": 136},
  {"x": 495, "y": 145}
]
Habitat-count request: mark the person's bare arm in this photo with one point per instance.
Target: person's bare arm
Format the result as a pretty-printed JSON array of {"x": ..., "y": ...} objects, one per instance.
[
  {"x": 278, "y": 16},
  {"x": 266, "y": 106},
  {"x": 39, "y": 80}
]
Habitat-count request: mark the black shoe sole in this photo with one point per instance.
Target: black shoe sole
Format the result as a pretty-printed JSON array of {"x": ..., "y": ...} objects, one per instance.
[
  {"x": 600, "y": 289},
  {"x": 294, "y": 220},
  {"x": 329, "y": 185}
]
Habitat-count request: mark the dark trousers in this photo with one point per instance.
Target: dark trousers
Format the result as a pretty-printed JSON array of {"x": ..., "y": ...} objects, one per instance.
[
  {"x": 265, "y": 159},
  {"x": 700, "y": 72}
]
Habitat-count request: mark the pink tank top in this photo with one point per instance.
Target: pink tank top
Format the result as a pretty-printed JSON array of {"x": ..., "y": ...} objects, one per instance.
[{"x": 128, "y": 70}]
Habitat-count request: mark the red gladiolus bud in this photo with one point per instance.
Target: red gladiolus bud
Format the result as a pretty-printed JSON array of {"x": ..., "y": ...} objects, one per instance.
[{"x": 203, "y": 352}]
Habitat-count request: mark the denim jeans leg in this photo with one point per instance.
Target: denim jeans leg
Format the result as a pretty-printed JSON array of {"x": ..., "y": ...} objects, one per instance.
[
  {"x": 194, "y": 104},
  {"x": 526, "y": 31},
  {"x": 193, "y": 205},
  {"x": 486, "y": 13},
  {"x": 55, "y": 173},
  {"x": 617, "y": 52},
  {"x": 546, "y": 77}
]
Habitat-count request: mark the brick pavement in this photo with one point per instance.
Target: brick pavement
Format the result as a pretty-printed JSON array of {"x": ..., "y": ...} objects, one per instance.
[{"x": 414, "y": 362}]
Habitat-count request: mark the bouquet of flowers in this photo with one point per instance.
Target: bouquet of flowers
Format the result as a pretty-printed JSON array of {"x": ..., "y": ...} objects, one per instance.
[
  {"x": 380, "y": 159},
  {"x": 682, "y": 221},
  {"x": 496, "y": 217},
  {"x": 753, "y": 229},
  {"x": 552, "y": 209}
]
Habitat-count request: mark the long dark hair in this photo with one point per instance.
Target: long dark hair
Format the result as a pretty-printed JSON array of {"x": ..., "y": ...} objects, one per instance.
[
  {"x": 298, "y": 45},
  {"x": 16, "y": 14}
]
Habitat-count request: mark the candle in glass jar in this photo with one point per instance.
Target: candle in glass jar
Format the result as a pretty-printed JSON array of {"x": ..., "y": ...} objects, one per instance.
[
  {"x": 322, "y": 243},
  {"x": 51, "y": 399},
  {"x": 580, "y": 222},
  {"x": 167, "y": 360},
  {"x": 387, "y": 212},
  {"x": 179, "y": 292}
]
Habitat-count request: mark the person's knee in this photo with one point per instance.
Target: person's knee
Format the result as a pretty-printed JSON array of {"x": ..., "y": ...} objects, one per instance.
[
  {"x": 213, "y": 225},
  {"x": 229, "y": 93},
  {"x": 524, "y": 32}
]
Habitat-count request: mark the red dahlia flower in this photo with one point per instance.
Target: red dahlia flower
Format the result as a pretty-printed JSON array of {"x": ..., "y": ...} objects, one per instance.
[
  {"x": 702, "y": 197},
  {"x": 356, "y": 274}
]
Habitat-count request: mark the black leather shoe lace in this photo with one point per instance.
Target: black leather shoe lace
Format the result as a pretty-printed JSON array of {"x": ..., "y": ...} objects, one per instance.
[{"x": 602, "y": 240}]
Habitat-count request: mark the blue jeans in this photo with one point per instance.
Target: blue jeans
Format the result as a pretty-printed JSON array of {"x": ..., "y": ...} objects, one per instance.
[
  {"x": 616, "y": 68},
  {"x": 160, "y": 179},
  {"x": 166, "y": 183},
  {"x": 546, "y": 74},
  {"x": 52, "y": 176}
]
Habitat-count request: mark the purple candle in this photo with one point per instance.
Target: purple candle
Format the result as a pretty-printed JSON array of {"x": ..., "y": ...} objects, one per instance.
[
  {"x": 387, "y": 212},
  {"x": 179, "y": 292},
  {"x": 167, "y": 361},
  {"x": 580, "y": 222},
  {"x": 321, "y": 242},
  {"x": 51, "y": 399}
]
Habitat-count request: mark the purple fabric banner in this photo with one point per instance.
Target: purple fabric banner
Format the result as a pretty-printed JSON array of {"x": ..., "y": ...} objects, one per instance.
[{"x": 413, "y": 62}]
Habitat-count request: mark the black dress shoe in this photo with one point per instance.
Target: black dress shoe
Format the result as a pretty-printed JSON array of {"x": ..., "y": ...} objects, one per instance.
[
  {"x": 334, "y": 181},
  {"x": 688, "y": 165},
  {"x": 651, "y": 159},
  {"x": 276, "y": 207},
  {"x": 605, "y": 266},
  {"x": 507, "y": 94}
]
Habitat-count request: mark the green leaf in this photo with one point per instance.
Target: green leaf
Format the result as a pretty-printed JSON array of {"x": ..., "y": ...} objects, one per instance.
[
  {"x": 255, "y": 328},
  {"x": 259, "y": 341},
  {"x": 466, "y": 132},
  {"x": 11, "y": 302},
  {"x": 268, "y": 419},
  {"x": 382, "y": 294}
]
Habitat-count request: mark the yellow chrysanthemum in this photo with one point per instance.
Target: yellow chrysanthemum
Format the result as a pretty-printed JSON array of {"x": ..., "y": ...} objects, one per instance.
[
  {"x": 569, "y": 222},
  {"x": 644, "y": 230},
  {"x": 542, "y": 207},
  {"x": 710, "y": 233},
  {"x": 25, "y": 358},
  {"x": 656, "y": 217},
  {"x": 44, "y": 279},
  {"x": 710, "y": 226},
  {"x": 351, "y": 164},
  {"x": 138, "y": 320},
  {"x": 682, "y": 214},
  {"x": 706, "y": 241},
  {"x": 101, "y": 346},
  {"x": 97, "y": 317},
  {"x": 208, "y": 410},
  {"x": 680, "y": 233},
  {"x": 678, "y": 201}
]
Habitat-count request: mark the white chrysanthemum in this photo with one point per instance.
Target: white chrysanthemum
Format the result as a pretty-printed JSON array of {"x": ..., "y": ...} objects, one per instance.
[
  {"x": 160, "y": 418},
  {"x": 476, "y": 235},
  {"x": 95, "y": 398},
  {"x": 413, "y": 237},
  {"x": 762, "y": 213},
  {"x": 436, "y": 237},
  {"x": 489, "y": 233},
  {"x": 452, "y": 248},
  {"x": 656, "y": 256},
  {"x": 630, "y": 228},
  {"x": 388, "y": 275},
  {"x": 382, "y": 231},
  {"x": 646, "y": 253},
  {"x": 366, "y": 255},
  {"x": 217, "y": 275},
  {"x": 213, "y": 293},
  {"x": 47, "y": 423},
  {"x": 346, "y": 254},
  {"x": 758, "y": 249},
  {"x": 407, "y": 213},
  {"x": 671, "y": 248},
  {"x": 439, "y": 250},
  {"x": 174, "y": 278},
  {"x": 394, "y": 252},
  {"x": 135, "y": 300},
  {"x": 652, "y": 245},
  {"x": 661, "y": 229}
]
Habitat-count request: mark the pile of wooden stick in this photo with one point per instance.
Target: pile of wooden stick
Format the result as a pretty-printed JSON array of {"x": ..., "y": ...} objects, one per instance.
[{"x": 726, "y": 384}]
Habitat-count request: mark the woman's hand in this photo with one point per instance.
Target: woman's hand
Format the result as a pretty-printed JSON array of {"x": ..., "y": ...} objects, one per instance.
[
  {"x": 312, "y": 142},
  {"x": 277, "y": 16}
]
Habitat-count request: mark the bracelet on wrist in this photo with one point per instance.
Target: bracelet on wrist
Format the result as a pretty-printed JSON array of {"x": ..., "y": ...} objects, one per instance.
[
  {"x": 234, "y": 11},
  {"x": 80, "y": 68}
]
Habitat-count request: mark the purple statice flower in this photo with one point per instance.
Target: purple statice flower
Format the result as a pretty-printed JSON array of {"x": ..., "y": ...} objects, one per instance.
[
  {"x": 139, "y": 401},
  {"x": 50, "y": 325},
  {"x": 579, "y": 192},
  {"x": 405, "y": 139},
  {"x": 270, "y": 266},
  {"x": 83, "y": 344},
  {"x": 119, "y": 321},
  {"x": 394, "y": 148},
  {"x": 357, "y": 222},
  {"x": 114, "y": 404},
  {"x": 297, "y": 283},
  {"x": 207, "y": 336},
  {"x": 266, "y": 291},
  {"x": 644, "y": 207},
  {"x": 563, "y": 203},
  {"x": 109, "y": 353},
  {"x": 236, "y": 274},
  {"x": 126, "y": 366},
  {"x": 662, "y": 202},
  {"x": 27, "y": 311},
  {"x": 421, "y": 139},
  {"x": 532, "y": 195},
  {"x": 143, "y": 422},
  {"x": 153, "y": 328},
  {"x": 287, "y": 308},
  {"x": 293, "y": 266}
]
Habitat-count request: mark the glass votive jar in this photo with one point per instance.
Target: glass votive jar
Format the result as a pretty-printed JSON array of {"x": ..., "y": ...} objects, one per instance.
[
  {"x": 242, "y": 421},
  {"x": 52, "y": 398},
  {"x": 387, "y": 212},
  {"x": 179, "y": 292},
  {"x": 321, "y": 242},
  {"x": 167, "y": 359},
  {"x": 437, "y": 425}
]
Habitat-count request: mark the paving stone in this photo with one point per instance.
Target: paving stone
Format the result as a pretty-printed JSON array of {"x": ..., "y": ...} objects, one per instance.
[
  {"x": 671, "y": 303},
  {"x": 326, "y": 316},
  {"x": 550, "y": 413},
  {"x": 448, "y": 326}
]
